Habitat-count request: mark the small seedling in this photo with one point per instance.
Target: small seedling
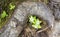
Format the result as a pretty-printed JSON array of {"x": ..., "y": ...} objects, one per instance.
[
  {"x": 32, "y": 19},
  {"x": 4, "y": 14},
  {"x": 35, "y": 22},
  {"x": 12, "y": 6}
]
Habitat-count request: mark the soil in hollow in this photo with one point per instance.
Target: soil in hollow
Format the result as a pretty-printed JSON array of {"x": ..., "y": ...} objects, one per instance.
[{"x": 29, "y": 31}]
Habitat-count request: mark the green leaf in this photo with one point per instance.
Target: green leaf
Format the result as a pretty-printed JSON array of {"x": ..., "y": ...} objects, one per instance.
[
  {"x": 39, "y": 26},
  {"x": 4, "y": 14},
  {"x": 36, "y": 26},
  {"x": 32, "y": 19},
  {"x": 35, "y": 22},
  {"x": 38, "y": 21},
  {"x": 12, "y": 6}
]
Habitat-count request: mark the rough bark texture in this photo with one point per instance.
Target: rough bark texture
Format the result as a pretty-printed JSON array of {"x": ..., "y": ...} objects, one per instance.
[
  {"x": 16, "y": 23},
  {"x": 19, "y": 19},
  {"x": 55, "y": 7}
]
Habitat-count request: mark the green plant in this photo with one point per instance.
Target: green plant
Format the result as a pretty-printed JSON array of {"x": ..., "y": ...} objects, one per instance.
[
  {"x": 35, "y": 22},
  {"x": 3, "y": 15},
  {"x": 12, "y": 6}
]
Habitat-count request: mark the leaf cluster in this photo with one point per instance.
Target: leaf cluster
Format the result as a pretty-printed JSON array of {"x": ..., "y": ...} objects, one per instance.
[{"x": 35, "y": 22}]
